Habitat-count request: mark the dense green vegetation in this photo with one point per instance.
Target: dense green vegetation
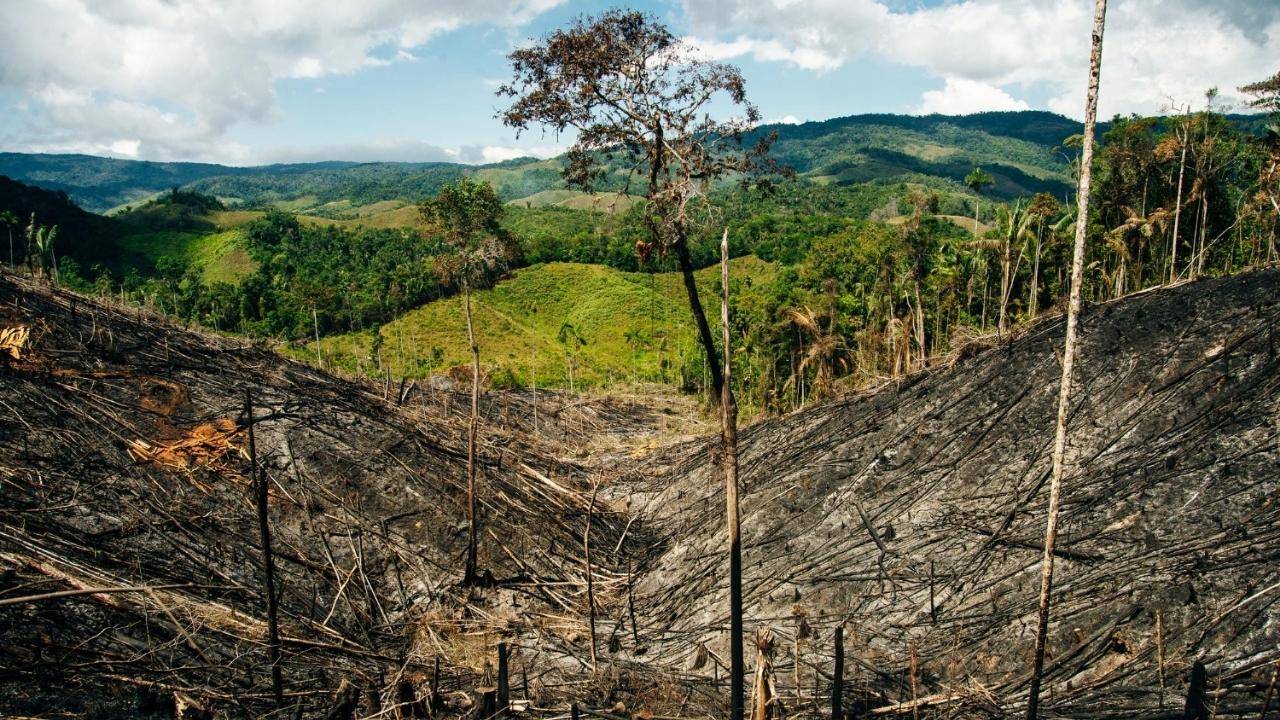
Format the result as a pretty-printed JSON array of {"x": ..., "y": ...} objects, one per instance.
[
  {"x": 1023, "y": 150},
  {"x": 836, "y": 281}
]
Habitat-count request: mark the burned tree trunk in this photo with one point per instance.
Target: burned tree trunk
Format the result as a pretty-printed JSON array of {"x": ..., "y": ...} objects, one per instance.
[
  {"x": 1068, "y": 359},
  {"x": 591, "y": 595},
  {"x": 259, "y": 480}
]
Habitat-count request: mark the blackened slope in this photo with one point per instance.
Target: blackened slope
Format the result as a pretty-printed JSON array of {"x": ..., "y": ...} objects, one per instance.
[
  {"x": 366, "y": 511},
  {"x": 1170, "y": 507}
]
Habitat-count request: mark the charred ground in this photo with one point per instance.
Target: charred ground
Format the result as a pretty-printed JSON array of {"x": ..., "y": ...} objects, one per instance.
[{"x": 911, "y": 515}]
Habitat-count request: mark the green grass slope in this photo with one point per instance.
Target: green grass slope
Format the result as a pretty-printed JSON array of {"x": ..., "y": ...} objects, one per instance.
[
  {"x": 219, "y": 256},
  {"x": 604, "y": 325},
  {"x": 606, "y": 202}
]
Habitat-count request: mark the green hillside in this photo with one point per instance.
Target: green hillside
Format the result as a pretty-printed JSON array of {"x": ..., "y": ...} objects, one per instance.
[
  {"x": 219, "y": 256},
  {"x": 1020, "y": 149},
  {"x": 100, "y": 184},
  {"x": 606, "y": 325}
]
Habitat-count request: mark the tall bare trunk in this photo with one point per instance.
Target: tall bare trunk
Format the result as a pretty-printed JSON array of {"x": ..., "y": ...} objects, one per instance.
[
  {"x": 470, "y": 576},
  {"x": 1035, "y": 274},
  {"x": 1006, "y": 281},
  {"x": 1177, "y": 208},
  {"x": 315, "y": 323},
  {"x": 920, "y": 336},
  {"x": 729, "y": 450},
  {"x": 1200, "y": 255},
  {"x": 1068, "y": 357},
  {"x": 586, "y": 556},
  {"x": 259, "y": 482}
]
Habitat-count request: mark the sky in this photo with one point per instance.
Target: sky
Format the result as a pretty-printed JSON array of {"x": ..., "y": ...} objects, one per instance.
[{"x": 247, "y": 82}]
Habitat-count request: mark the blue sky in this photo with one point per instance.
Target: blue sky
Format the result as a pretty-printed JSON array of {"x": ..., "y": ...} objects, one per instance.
[
  {"x": 254, "y": 81},
  {"x": 445, "y": 95}
]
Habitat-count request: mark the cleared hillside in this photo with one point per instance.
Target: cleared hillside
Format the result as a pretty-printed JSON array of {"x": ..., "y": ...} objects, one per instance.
[
  {"x": 131, "y": 574},
  {"x": 125, "y": 490},
  {"x": 914, "y": 515}
]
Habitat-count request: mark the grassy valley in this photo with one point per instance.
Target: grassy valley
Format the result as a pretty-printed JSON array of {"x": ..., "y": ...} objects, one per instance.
[{"x": 563, "y": 324}]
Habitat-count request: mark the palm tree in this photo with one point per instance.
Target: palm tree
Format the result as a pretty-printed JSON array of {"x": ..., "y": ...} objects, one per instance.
[
  {"x": 1064, "y": 227},
  {"x": 1043, "y": 206},
  {"x": 1141, "y": 228},
  {"x": 1068, "y": 357},
  {"x": 977, "y": 180},
  {"x": 45, "y": 238},
  {"x": 1014, "y": 228},
  {"x": 40, "y": 240},
  {"x": 918, "y": 247},
  {"x": 825, "y": 354}
]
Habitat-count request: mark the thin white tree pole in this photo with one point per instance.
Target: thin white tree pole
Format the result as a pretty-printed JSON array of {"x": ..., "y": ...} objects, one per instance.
[
  {"x": 470, "y": 574},
  {"x": 1068, "y": 356},
  {"x": 729, "y": 449},
  {"x": 1177, "y": 212},
  {"x": 315, "y": 323}
]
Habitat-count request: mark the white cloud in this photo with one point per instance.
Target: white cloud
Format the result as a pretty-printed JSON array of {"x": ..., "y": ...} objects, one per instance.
[
  {"x": 179, "y": 73},
  {"x": 502, "y": 153},
  {"x": 961, "y": 97},
  {"x": 493, "y": 154},
  {"x": 1154, "y": 49},
  {"x": 787, "y": 119},
  {"x": 412, "y": 151},
  {"x": 765, "y": 51},
  {"x": 126, "y": 148}
]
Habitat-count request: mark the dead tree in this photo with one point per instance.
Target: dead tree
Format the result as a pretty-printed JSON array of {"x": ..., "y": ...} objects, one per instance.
[
  {"x": 1068, "y": 358},
  {"x": 470, "y": 575},
  {"x": 259, "y": 480},
  {"x": 729, "y": 458},
  {"x": 467, "y": 214},
  {"x": 504, "y": 685},
  {"x": 1184, "y": 131},
  {"x": 586, "y": 554}
]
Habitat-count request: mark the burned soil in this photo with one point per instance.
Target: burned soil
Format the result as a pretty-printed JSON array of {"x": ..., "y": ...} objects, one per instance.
[
  {"x": 915, "y": 516},
  {"x": 131, "y": 571}
]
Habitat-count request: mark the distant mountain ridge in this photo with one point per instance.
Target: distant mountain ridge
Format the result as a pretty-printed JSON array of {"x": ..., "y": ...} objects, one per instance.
[
  {"x": 1020, "y": 149},
  {"x": 99, "y": 183}
]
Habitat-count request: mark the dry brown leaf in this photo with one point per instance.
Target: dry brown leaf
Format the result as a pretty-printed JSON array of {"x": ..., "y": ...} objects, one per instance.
[{"x": 13, "y": 340}]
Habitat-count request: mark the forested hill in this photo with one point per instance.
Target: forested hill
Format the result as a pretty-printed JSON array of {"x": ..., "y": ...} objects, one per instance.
[
  {"x": 1022, "y": 151},
  {"x": 1017, "y": 148},
  {"x": 100, "y": 184}
]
